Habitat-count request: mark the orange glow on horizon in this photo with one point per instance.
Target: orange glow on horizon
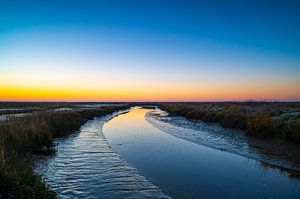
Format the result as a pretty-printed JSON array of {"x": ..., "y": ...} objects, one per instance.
[{"x": 144, "y": 93}]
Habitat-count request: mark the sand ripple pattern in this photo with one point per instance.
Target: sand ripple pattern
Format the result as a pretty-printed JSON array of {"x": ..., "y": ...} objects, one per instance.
[{"x": 85, "y": 166}]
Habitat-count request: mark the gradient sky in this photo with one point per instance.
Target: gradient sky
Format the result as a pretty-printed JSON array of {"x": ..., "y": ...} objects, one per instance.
[{"x": 149, "y": 50}]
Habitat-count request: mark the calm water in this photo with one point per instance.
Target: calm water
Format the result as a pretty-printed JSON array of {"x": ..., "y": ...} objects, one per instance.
[
  {"x": 129, "y": 156},
  {"x": 214, "y": 136},
  {"x": 184, "y": 169},
  {"x": 85, "y": 166}
]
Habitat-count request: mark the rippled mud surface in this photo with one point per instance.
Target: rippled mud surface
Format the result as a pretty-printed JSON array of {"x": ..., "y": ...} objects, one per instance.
[
  {"x": 217, "y": 137},
  {"x": 85, "y": 166}
]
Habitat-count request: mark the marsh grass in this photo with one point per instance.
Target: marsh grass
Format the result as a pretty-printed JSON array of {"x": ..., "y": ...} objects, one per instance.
[
  {"x": 262, "y": 120},
  {"x": 20, "y": 137}
]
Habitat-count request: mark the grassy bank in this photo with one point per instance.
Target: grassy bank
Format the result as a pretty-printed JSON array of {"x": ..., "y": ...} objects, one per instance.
[
  {"x": 259, "y": 119},
  {"x": 31, "y": 107},
  {"x": 20, "y": 137}
]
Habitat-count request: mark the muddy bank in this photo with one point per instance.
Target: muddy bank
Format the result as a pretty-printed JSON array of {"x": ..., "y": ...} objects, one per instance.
[
  {"x": 186, "y": 169},
  {"x": 272, "y": 150}
]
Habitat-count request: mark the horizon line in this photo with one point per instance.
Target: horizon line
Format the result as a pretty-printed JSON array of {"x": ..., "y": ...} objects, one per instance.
[{"x": 148, "y": 101}]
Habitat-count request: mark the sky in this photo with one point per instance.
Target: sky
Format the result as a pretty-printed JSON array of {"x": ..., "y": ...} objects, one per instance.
[{"x": 149, "y": 50}]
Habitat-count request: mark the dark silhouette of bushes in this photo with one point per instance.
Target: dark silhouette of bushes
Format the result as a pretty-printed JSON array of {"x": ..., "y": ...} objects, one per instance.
[
  {"x": 293, "y": 130},
  {"x": 20, "y": 182}
]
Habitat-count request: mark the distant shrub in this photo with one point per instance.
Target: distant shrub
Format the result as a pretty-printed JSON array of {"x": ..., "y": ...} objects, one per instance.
[
  {"x": 261, "y": 124},
  {"x": 212, "y": 116},
  {"x": 195, "y": 114},
  {"x": 234, "y": 117},
  {"x": 293, "y": 130}
]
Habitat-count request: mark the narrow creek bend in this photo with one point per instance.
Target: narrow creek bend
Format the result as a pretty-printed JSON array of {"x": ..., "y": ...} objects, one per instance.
[
  {"x": 184, "y": 169},
  {"x": 85, "y": 166}
]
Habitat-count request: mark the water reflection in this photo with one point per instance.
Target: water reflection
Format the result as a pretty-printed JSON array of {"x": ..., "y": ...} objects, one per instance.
[
  {"x": 85, "y": 166},
  {"x": 185, "y": 169},
  {"x": 274, "y": 152}
]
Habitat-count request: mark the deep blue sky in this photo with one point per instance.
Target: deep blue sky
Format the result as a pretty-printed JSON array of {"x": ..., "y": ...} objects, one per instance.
[
  {"x": 267, "y": 25},
  {"x": 210, "y": 43}
]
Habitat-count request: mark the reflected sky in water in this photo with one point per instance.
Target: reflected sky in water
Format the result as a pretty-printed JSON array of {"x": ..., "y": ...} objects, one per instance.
[
  {"x": 184, "y": 169},
  {"x": 85, "y": 166}
]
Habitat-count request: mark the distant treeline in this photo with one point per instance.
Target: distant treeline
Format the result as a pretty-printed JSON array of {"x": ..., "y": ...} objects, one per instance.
[
  {"x": 260, "y": 119},
  {"x": 20, "y": 137}
]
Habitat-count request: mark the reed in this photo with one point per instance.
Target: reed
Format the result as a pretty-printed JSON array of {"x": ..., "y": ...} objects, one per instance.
[
  {"x": 21, "y": 137},
  {"x": 262, "y": 120}
]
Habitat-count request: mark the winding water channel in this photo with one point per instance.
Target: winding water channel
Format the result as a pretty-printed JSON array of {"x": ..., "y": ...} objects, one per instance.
[{"x": 131, "y": 155}]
